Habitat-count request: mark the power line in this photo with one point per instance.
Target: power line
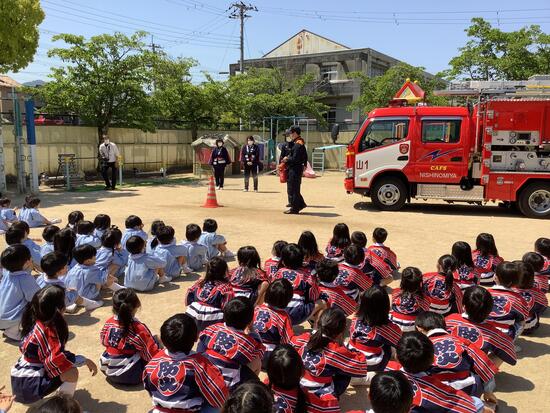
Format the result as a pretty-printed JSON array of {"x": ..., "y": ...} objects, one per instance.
[{"x": 239, "y": 11}]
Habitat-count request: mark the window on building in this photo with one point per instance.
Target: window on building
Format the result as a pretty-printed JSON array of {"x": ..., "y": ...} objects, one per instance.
[
  {"x": 441, "y": 130},
  {"x": 329, "y": 72},
  {"x": 384, "y": 132},
  {"x": 330, "y": 115},
  {"x": 377, "y": 70}
]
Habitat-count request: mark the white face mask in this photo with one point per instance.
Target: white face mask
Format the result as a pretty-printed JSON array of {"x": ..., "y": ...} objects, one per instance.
[
  {"x": 251, "y": 142},
  {"x": 106, "y": 141},
  {"x": 288, "y": 139},
  {"x": 220, "y": 145}
]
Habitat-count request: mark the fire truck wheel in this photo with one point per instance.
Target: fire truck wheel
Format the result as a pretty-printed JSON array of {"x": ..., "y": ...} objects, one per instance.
[
  {"x": 534, "y": 200},
  {"x": 389, "y": 194}
]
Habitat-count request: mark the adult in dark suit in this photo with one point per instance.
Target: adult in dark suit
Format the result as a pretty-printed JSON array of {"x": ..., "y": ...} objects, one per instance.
[
  {"x": 296, "y": 161},
  {"x": 219, "y": 159},
  {"x": 250, "y": 158}
]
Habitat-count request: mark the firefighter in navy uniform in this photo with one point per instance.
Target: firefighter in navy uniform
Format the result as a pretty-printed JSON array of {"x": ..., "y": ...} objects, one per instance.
[
  {"x": 250, "y": 158},
  {"x": 219, "y": 159},
  {"x": 296, "y": 162}
]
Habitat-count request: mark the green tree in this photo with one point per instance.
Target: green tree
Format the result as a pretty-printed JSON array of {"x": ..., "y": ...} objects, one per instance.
[
  {"x": 19, "y": 20},
  {"x": 260, "y": 93},
  {"x": 105, "y": 81},
  {"x": 179, "y": 100},
  {"x": 492, "y": 54},
  {"x": 378, "y": 91}
]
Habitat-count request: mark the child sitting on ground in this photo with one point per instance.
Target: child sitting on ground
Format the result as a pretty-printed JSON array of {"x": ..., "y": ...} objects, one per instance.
[
  {"x": 536, "y": 261},
  {"x": 350, "y": 276},
  {"x": 485, "y": 258},
  {"x": 271, "y": 322},
  {"x": 237, "y": 353},
  {"x": 179, "y": 379},
  {"x": 372, "y": 333},
  {"x": 48, "y": 234},
  {"x": 333, "y": 295},
  {"x": 155, "y": 226},
  {"x": 102, "y": 222},
  {"x": 271, "y": 265},
  {"x": 465, "y": 274},
  {"x": 195, "y": 253},
  {"x": 207, "y": 297},
  {"x": 542, "y": 247},
  {"x": 144, "y": 270},
  {"x": 74, "y": 218},
  {"x": 64, "y": 242},
  {"x": 390, "y": 392},
  {"x": 379, "y": 236},
  {"x": 215, "y": 243},
  {"x": 33, "y": 247},
  {"x": 54, "y": 265},
  {"x": 536, "y": 300},
  {"x": 312, "y": 256},
  {"x": 110, "y": 256},
  {"x": 45, "y": 365},
  {"x": 440, "y": 288},
  {"x": 338, "y": 243},
  {"x": 305, "y": 303},
  {"x": 380, "y": 271},
  {"x": 6, "y": 213},
  {"x": 248, "y": 279},
  {"x": 30, "y": 214},
  {"x": 251, "y": 397},
  {"x": 129, "y": 345},
  {"x": 18, "y": 287},
  {"x": 134, "y": 227},
  {"x": 85, "y": 235},
  {"x": 86, "y": 277},
  {"x": 473, "y": 327},
  {"x": 167, "y": 250},
  {"x": 408, "y": 300}
]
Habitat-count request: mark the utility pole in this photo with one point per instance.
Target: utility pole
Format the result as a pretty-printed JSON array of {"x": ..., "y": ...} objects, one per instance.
[
  {"x": 154, "y": 48},
  {"x": 239, "y": 11}
]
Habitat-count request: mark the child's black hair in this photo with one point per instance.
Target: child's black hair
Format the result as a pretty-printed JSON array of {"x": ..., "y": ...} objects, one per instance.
[
  {"x": 74, "y": 218},
  {"x": 249, "y": 397},
  {"x": 379, "y": 235},
  {"x": 64, "y": 242},
  {"x": 354, "y": 255},
  {"x": 248, "y": 256},
  {"x": 192, "y": 232},
  {"x": 135, "y": 244},
  {"x": 133, "y": 221},
  {"x": 279, "y": 293},
  {"x": 478, "y": 303},
  {"x": 428, "y": 320},
  {"x": 359, "y": 238},
  {"x": 83, "y": 253},
  {"x": 526, "y": 275},
  {"x": 85, "y": 227},
  {"x": 284, "y": 370},
  {"x": 485, "y": 244},
  {"x": 542, "y": 246},
  {"x": 535, "y": 260},
  {"x": 165, "y": 235},
  {"x": 209, "y": 225},
  {"x": 308, "y": 243},
  {"x": 15, "y": 257},
  {"x": 111, "y": 238},
  {"x": 448, "y": 266},
  {"x": 327, "y": 270},
  {"x": 374, "y": 307},
  {"x": 156, "y": 225},
  {"x": 331, "y": 324},
  {"x": 292, "y": 256},
  {"x": 31, "y": 202},
  {"x": 277, "y": 249},
  {"x": 22, "y": 225},
  {"x": 179, "y": 333},
  {"x": 125, "y": 303},
  {"x": 49, "y": 232},
  {"x": 52, "y": 263},
  {"x": 463, "y": 254},
  {"x": 415, "y": 352},
  {"x": 216, "y": 270},
  {"x": 507, "y": 274},
  {"x": 14, "y": 235},
  {"x": 238, "y": 313},
  {"x": 102, "y": 222},
  {"x": 5, "y": 202},
  {"x": 390, "y": 392},
  {"x": 47, "y": 306},
  {"x": 340, "y": 236},
  {"x": 60, "y": 403},
  {"x": 411, "y": 282}
]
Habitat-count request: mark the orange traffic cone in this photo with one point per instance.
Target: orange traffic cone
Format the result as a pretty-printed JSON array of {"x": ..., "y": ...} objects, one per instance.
[{"x": 211, "y": 201}]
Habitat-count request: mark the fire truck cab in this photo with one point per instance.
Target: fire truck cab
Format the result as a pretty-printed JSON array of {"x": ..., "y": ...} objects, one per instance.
[{"x": 495, "y": 150}]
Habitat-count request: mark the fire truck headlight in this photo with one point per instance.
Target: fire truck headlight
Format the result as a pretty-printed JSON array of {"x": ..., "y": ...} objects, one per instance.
[{"x": 349, "y": 173}]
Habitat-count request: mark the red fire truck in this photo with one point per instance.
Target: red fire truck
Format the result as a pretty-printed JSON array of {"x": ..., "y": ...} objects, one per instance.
[{"x": 497, "y": 149}]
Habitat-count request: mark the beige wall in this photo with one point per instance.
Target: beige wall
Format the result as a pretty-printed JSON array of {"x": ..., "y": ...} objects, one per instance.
[{"x": 169, "y": 147}]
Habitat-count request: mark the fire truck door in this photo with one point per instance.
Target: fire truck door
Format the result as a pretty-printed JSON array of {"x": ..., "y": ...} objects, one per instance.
[{"x": 441, "y": 155}]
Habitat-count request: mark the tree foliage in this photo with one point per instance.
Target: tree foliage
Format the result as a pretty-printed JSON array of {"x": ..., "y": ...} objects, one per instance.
[
  {"x": 378, "y": 91},
  {"x": 492, "y": 54},
  {"x": 104, "y": 82},
  {"x": 19, "y": 20}
]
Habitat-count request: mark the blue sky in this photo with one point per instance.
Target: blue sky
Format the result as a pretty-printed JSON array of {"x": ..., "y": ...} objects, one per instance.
[{"x": 423, "y": 33}]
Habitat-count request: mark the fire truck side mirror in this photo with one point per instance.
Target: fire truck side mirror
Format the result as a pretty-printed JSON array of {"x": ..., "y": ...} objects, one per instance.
[{"x": 335, "y": 132}]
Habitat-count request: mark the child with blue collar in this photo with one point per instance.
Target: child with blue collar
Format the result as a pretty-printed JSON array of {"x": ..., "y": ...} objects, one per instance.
[
  {"x": 134, "y": 227},
  {"x": 17, "y": 234},
  {"x": 30, "y": 214},
  {"x": 110, "y": 256},
  {"x": 85, "y": 235},
  {"x": 6, "y": 213},
  {"x": 102, "y": 222},
  {"x": 215, "y": 243},
  {"x": 47, "y": 235},
  {"x": 144, "y": 270},
  {"x": 195, "y": 253},
  {"x": 167, "y": 250}
]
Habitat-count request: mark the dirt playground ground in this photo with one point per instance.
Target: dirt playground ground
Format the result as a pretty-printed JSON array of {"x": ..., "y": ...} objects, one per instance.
[{"x": 419, "y": 235}]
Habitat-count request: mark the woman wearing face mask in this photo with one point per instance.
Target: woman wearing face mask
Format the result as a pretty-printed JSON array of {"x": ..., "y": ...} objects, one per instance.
[
  {"x": 250, "y": 158},
  {"x": 219, "y": 159},
  {"x": 285, "y": 147}
]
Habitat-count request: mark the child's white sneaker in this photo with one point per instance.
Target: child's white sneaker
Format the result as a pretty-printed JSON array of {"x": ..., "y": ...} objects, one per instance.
[
  {"x": 185, "y": 270},
  {"x": 71, "y": 309},
  {"x": 228, "y": 254},
  {"x": 164, "y": 279},
  {"x": 116, "y": 287},
  {"x": 91, "y": 304}
]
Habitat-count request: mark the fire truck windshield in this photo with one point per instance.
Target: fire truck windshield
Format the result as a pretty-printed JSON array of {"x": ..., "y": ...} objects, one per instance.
[{"x": 383, "y": 131}]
